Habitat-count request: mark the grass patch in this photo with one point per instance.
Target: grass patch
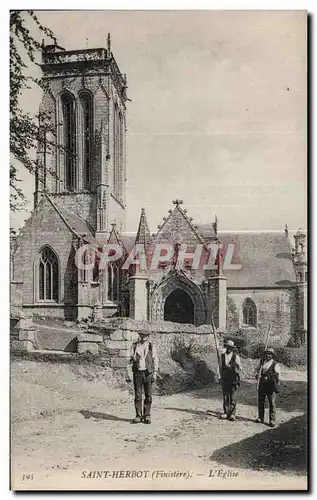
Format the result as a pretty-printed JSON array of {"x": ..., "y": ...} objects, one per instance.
[{"x": 58, "y": 357}]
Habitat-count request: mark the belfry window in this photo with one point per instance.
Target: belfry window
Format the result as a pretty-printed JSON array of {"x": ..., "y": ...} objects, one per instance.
[
  {"x": 249, "y": 313},
  {"x": 48, "y": 275},
  {"x": 117, "y": 145},
  {"x": 86, "y": 102},
  {"x": 69, "y": 123}
]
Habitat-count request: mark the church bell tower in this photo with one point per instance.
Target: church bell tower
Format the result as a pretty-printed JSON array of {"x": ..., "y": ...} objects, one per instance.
[{"x": 82, "y": 151}]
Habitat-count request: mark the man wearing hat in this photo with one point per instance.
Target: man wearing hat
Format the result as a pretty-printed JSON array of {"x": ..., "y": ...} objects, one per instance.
[
  {"x": 144, "y": 361},
  {"x": 229, "y": 378},
  {"x": 268, "y": 374}
]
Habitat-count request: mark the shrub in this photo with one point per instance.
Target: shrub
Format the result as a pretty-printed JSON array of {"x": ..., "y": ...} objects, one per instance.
[
  {"x": 181, "y": 349},
  {"x": 245, "y": 345},
  {"x": 198, "y": 368},
  {"x": 292, "y": 357},
  {"x": 255, "y": 350},
  {"x": 298, "y": 339},
  {"x": 239, "y": 341}
]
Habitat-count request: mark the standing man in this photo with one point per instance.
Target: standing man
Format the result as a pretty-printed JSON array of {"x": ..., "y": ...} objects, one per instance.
[
  {"x": 144, "y": 361},
  {"x": 268, "y": 374},
  {"x": 229, "y": 378}
]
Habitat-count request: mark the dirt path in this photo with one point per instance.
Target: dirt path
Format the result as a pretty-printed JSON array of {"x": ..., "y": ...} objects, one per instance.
[{"x": 64, "y": 428}]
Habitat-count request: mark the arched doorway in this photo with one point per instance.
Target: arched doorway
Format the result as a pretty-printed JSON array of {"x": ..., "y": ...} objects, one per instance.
[{"x": 179, "y": 307}]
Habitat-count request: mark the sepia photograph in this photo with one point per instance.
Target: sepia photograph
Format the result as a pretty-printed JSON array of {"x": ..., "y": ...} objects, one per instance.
[{"x": 158, "y": 250}]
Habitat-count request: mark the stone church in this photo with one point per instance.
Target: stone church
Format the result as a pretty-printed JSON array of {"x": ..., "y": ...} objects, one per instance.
[{"x": 80, "y": 199}]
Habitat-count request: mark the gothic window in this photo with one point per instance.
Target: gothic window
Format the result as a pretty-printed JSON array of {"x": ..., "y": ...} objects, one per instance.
[
  {"x": 249, "y": 312},
  {"x": 48, "y": 275},
  {"x": 121, "y": 160},
  {"x": 95, "y": 272},
  {"x": 113, "y": 282},
  {"x": 69, "y": 126},
  {"x": 109, "y": 282},
  {"x": 86, "y": 102}
]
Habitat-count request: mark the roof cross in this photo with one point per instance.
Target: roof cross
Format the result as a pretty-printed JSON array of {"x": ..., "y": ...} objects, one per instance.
[{"x": 177, "y": 202}]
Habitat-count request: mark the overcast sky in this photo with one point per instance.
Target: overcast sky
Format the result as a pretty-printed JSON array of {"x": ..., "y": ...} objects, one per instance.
[{"x": 218, "y": 111}]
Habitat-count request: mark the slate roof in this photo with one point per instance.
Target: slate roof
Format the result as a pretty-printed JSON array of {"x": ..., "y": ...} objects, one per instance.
[
  {"x": 265, "y": 258},
  {"x": 76, "y": 223},
  {"x": 208, "y": 231}
]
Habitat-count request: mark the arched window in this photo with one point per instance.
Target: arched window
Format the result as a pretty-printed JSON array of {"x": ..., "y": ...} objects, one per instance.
[
  {"x": 48, "y": 275},
  {"x": 95, "y": 272},
  {"x": 121, "y": 159},
  {"x": 109, "y": 282},
  {"x": 249, "y": 312},
  {"x": 86, "y": 103},
  {"x": 69, "y": 122},
  {"x": 113, "y": 283},
  {"x": 117, "y": 151}
]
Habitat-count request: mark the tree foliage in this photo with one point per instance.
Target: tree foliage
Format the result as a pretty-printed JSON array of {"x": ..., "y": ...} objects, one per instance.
[{"x": 25, "y": 131}]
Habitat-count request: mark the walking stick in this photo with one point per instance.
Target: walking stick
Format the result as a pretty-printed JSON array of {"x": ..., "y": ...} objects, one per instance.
[
  {"x": 261, "y": 365},
  {"x": 216, "y": 343}
]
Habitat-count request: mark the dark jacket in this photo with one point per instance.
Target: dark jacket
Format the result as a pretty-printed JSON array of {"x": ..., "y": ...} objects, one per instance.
[
  {"x": 269, "y": 380},
  {"x": 229, "y": 373}
]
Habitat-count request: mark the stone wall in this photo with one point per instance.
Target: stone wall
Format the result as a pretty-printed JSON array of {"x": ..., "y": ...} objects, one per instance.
[
  {"x": 111, "y": 338},
  {"x": 56, "y": 311},
  {"x": 83, "y": 204},
  {"x": 22, "y": 335},
  {"x": 274, "y": 306},
  {"x": 119, "y": 334}
]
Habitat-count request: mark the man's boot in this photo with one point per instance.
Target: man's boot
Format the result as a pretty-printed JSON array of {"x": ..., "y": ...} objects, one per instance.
[{"x": 137, "y": 420}]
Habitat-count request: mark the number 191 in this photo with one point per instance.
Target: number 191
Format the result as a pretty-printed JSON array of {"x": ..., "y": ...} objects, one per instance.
[{"x": 27, "y": 477}]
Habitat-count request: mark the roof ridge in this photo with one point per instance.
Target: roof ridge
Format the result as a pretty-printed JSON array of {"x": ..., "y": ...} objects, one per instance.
[
  {"x": 64, "y": 209},
  {"x": 260, "y": 231}
]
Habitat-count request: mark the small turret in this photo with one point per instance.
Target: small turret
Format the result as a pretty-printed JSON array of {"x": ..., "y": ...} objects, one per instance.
[
  {"x": 300, "y": 263},
  {"x": 300, "y": 247},
  {"x": 143, "y": 235}
]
